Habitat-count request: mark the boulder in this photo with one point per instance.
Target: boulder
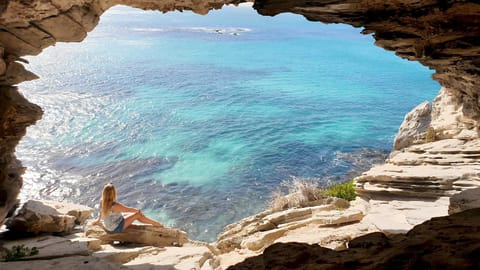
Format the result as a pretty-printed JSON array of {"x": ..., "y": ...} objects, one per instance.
[
  {"x": 48, "y": 217},
  {"x": 140, "y": 234},
  {"x": 467, "y": 199},
  {"x": 414, "y": 126}
]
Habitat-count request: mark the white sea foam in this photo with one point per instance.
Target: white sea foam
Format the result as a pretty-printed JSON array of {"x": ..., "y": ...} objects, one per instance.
[{"x": 197, "y": 29}]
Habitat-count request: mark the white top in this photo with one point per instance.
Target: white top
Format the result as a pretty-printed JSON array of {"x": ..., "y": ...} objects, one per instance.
[{"x": 112, "y": 220}]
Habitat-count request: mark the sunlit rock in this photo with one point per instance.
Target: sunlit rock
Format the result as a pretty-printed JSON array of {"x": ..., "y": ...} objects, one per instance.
[
  {"x": 465, "y": 200},
  {"x": 414, "y": 126},
  {"x": 48, "y": 217},
  {"x": 140, "y": 234},
  {"x": 434, "y": 245}
]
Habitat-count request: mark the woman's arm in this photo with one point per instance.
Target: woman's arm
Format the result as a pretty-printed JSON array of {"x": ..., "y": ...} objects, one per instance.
[
  {"x": 96, "y": 222},
  {"x": 118, "y": 207}
]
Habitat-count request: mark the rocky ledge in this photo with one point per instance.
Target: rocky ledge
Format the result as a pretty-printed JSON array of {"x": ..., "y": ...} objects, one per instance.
[
  {"x": 326, "y": 234},
  {"x": 451, "y": 242},
  {"x": 442, "y": 35}
]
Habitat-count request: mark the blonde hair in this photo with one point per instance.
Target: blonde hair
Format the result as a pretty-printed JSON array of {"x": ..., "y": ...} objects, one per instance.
[{"x": 109, "y": 197}]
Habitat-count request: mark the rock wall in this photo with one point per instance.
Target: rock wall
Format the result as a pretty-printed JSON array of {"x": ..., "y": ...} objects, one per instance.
[
  {"x": 16, "y": 113},
  {"x": 440, "y": 34}
]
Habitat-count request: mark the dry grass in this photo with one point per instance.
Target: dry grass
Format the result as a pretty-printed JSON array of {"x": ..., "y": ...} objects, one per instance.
[
  {"x": 430, "y": 135},
  {"x": 299, "y": 192}
]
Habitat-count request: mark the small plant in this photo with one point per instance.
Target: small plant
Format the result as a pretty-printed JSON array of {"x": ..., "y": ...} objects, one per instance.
[
  {"x": 430, "y": 135},
  {"x": 344, "y": 191},
  {"x": 18, "y": 252}
]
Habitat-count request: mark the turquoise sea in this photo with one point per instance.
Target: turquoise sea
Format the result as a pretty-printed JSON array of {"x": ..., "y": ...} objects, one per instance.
[{"x": 197, "y": 119}]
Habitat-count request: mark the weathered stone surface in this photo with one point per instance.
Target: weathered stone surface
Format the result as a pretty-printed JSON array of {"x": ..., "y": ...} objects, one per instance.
[
  {"x": 48, "y": 217},
  {"x": 455, "y": 115},
  {"x": 391, "y": 214},
  {"x": 70, "y": 263},
  {"x": 440, "y": 35},
  {"x": 16, "y": 114},
  {"x": 186, "y": 257},
  {"x": 451, "y": 242},
  {"x": 16, "y": 73},
  {"x": 260, "y": 231},
  {"x": 50, "y": 247},
  {"x": 464, "y": 200},
  {"x": 141, "y": 234},
  {"x": 3, "y": 64},
  {"x": 414, "y": 126},
  {"x": 435, "y": 169}
]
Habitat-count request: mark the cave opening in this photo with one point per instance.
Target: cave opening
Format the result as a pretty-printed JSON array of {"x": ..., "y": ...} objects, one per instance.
[{"x": 198, "y": 119}]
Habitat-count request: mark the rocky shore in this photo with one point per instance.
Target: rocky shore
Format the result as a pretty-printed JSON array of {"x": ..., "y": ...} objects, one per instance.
[{"x": 337, "y": 231}]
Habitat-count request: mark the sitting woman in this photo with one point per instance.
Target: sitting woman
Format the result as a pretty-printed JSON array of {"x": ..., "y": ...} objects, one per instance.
[{"x": 116, "y": 216}]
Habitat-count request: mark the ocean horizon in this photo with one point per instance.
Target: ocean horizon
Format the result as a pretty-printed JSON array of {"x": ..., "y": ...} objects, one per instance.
[{"x": 198, "y": 119}]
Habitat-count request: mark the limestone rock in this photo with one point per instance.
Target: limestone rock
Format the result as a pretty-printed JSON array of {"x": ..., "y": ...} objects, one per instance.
[
  {"x": 71, "y": 263},
  {"x": 414, "y": 126},
  {"x": 16, "y": 73},
  {"x": 3, "y": 65},
  {"x": 432, "y": 245},
  {"x": 16, "y": 114},
  {"x": 141, "y": 234},
  {"x": 50, "y": 247},
  {"x": 455, "y": 115},
  {"x": 467, "y": 199},
  {"x": 48, "y": 217},
  {"x": 436, "y": 169},
  {"x": 186, "y": 257},
  {"x": 258, "y": 232},
  {"x": 391, "y": 214}
]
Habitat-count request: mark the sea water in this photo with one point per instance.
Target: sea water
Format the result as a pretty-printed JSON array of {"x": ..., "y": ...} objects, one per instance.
[{"x": 197, "y": 119}]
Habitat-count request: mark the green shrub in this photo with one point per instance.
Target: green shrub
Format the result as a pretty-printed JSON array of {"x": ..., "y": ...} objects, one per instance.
[
  {"x": 18, "y": 252},
  {"x": 344, "y": 191},
  {"x": 299, "y": 192}
]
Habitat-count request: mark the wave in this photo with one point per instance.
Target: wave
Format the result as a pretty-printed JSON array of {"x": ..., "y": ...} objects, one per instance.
[{"x": 209, "y": 30}]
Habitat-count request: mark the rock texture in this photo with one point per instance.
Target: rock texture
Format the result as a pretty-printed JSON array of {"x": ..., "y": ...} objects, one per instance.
[
  {"x": 434, "y": 158},
  {"x": 416, "y": 184},
  {"x": 414, "y": 127},
  {"x": 141, "y": 234},
  {"x": 451, "y": 242},
  {"x": 70, "y": 263},
  {"x": 48, "y": 217},
  {"x": 442, "y": 35},
  {"x": 465, "y": 200},
  {"x": 16, "y": 114},
  {"x": 51, "y": 247},
  {"x": 257, "y": 232},
  {"x": 429, "y": 170}
]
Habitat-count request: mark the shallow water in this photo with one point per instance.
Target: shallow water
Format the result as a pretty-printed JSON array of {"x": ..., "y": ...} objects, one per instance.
[{"x": 198, "y": 119}]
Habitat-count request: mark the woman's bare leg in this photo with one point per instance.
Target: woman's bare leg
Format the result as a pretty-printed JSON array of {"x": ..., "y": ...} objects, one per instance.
[{"x": 129, "y": 219}]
